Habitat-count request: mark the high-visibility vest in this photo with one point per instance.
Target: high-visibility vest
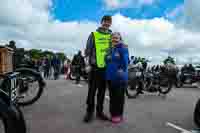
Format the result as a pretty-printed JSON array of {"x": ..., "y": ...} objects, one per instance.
[{"x": 102, "y": 44}]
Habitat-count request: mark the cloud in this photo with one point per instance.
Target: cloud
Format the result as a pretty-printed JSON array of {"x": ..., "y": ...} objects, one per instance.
[
  {"x": 157, "y": 37},
  {"x": 191, "y": 13},
  {"x": 32, "y": 26},
  {"x": 116, "y": 4}
]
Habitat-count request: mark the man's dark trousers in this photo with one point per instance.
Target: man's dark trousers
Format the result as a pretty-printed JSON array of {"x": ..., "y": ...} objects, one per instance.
[
  {"x": 78, "y": 74},
  {"x": 97, "y": 83}
]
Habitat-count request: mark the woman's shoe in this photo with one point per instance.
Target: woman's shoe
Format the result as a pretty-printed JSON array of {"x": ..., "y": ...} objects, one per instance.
[
  {"x": 116, "y": 119},
  {"x": 122, "y": 118}
]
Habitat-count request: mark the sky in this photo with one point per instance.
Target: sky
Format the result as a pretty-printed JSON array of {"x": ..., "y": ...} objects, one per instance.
[{"x": 151, "y": 28}]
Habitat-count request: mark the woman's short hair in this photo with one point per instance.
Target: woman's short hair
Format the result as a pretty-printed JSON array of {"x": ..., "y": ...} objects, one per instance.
[{"x": 117, "y": 33}]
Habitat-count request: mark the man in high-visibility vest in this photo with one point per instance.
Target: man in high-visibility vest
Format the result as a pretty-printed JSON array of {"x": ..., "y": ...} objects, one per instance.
[{"x": 96, "y": 49}]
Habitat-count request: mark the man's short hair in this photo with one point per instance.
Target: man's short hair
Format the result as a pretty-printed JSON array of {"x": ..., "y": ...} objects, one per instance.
[{"x": 106, "y": 18}]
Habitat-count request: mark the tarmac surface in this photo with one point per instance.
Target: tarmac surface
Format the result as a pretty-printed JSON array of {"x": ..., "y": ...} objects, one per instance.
[{"x": 62, "y": 107}]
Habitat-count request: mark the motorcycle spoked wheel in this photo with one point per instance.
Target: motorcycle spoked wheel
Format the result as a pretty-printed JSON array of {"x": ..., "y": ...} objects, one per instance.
[
  {"x": 132, "y": 89},
  {"x": 165, "y": 86},
  {"x": 31, "y": 84},
  {"x": 148, "y": 84},
  {"x": 196, "y": 115},
  {"x": 198, "y": 84},
  {"x": 72, "y": 76}
]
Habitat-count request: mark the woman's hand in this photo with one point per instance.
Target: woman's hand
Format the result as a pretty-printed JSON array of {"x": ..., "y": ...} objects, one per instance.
[{"x": 120, "y": 72}]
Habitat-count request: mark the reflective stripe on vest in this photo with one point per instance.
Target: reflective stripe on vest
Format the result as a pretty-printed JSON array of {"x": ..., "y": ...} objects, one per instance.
[{"x": 102, "y": 43}]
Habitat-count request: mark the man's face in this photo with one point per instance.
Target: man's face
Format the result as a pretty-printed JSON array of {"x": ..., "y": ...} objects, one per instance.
[{"x": 106, "y": 24}]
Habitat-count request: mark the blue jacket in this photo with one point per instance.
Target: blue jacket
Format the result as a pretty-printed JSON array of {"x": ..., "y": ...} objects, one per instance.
[
  {"x": 117, "y": 63},
  {"x": 55, "y": 62}
]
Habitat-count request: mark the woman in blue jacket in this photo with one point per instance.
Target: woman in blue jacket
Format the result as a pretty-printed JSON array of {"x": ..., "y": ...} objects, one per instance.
[{"x": 117, "y": 76}]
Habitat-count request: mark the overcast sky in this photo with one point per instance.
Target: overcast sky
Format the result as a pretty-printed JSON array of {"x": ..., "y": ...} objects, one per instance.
[{"x": 151, "y": 28}]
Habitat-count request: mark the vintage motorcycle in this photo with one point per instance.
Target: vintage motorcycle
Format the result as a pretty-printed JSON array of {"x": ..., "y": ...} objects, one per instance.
[
  {"x": 11, "y": 117},
  {"x": 152, "y": 82},
  {"x": 188, "y": 78},
  {"x": 83, "y": 73},
  {"x": 196, "y": 114},
  {"x": 31, "y": 82}
]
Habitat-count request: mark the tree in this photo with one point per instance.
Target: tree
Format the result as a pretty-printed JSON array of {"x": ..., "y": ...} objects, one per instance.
[
  {"x": 35, "y": 53},
  {"x": 169, "y": 59},
  {"x": 61, "y": 56},
  {"x": 12, "y": 44},
  {"x": 48, "y": 54}
]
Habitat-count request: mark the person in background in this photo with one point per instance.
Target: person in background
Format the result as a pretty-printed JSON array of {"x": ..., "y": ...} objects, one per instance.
[
  {"x": 46, "y": 68},
  {"x": 56, "y": 66},
  {"x": 117, "y": 77},
  {"x": 79, "y": 63},
  {"x": 132, "y": 61},
  {"x": 191, "y": 68},
  {"x": 66, "y": 68},
  {"x": 97, "y": 45}
]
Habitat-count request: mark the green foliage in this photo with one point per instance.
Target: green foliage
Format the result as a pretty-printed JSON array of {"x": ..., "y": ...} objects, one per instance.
[
  {"x": 169, "y": 59},
  {"x": 48, "y": 54},
  {"x": 35, "y": 53},
  {"x": 61, "y": 56}
]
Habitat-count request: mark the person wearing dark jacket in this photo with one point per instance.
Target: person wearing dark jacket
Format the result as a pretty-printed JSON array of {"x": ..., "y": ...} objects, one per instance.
[
  {"x": 79, "y": 64},
  {"x": 117, "y": 77},
  {"x": 97, "y": 45},
  {"x": 56, "y": 63},
  {"x": 191, "y": 69},
  {"x": 46, "y": 68}
]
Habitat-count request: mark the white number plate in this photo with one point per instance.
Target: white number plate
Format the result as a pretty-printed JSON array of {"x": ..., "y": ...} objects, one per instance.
[
  {"x": 138, "y": 73},
  {"x": 13, "y": 89}
]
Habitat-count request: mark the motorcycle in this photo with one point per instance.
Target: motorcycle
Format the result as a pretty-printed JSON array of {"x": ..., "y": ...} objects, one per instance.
[
  {"x": 188, "y": 78},
  {"x": 196, "y": 115},
  {"x": 152, "y": 82},
  {"x": 30, "y": 80},
  {"x": 30, "y": 66},
  {"x": 11, "y": 117},
  {"x": 31, "y": 86},
  {"x": 73, "y": 73}
]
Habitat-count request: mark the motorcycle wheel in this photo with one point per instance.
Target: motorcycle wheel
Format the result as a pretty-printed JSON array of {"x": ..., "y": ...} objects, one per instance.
[
  {"x": 198, "y": 84},
  {"x": 178, "y": 83},
  {"x": 38, "y": 90},
  {"x": 166, "y": 88},
  {"x": 72, "y": 76},
  {"x": 132, "y": 90},
  {"x": 11, "y": 119},
  {"x": 197, "y": 114}
]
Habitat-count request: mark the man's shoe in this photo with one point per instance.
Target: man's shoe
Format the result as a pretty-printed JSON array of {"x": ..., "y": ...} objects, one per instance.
[
  {"x": 102, "y": 116},
  {"x": 88, "y": 118}
]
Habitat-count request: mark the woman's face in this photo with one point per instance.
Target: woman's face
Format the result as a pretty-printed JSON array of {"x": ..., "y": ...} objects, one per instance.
[{"x": 115, "y": 39}]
